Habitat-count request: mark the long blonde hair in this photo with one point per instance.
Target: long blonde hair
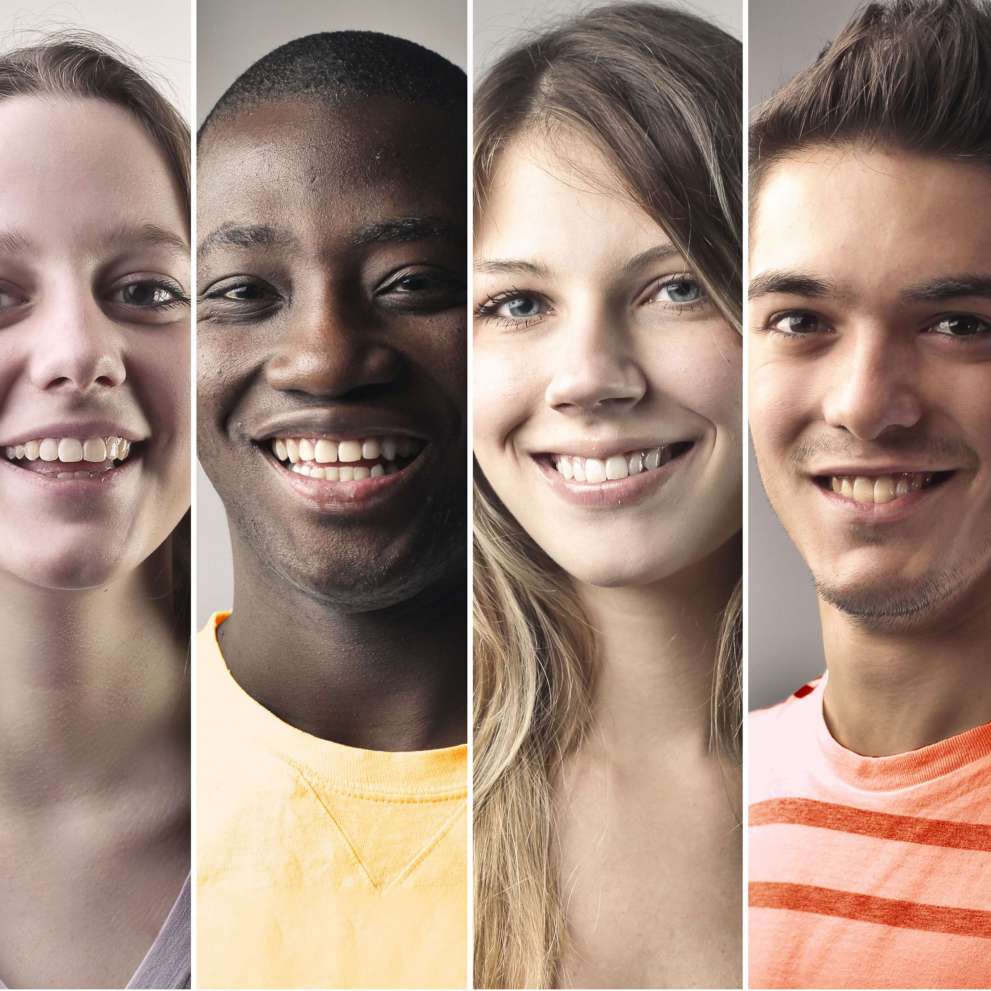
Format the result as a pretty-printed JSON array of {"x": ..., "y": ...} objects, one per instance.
[{"x": 659, "y": 92}]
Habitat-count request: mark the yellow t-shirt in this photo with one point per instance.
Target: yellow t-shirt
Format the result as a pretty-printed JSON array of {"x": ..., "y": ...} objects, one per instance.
[{"x": 321, "y": 865}]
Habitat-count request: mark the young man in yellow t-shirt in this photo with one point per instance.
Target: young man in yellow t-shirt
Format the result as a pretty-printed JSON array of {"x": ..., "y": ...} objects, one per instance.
[{"x": 331, "y": 818}]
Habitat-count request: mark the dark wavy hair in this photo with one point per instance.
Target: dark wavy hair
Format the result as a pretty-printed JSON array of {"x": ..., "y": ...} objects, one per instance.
[{"x": 86, "y": 65}]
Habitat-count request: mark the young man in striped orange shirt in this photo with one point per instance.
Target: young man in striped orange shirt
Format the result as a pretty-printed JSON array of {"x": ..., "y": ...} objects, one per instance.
[{"x": 870, "y": 386}]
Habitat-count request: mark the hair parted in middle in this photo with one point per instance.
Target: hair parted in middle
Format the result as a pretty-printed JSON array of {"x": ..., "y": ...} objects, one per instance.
[
  {"x": 910, "y": 74},
  {"x": 658, "y": 93}
]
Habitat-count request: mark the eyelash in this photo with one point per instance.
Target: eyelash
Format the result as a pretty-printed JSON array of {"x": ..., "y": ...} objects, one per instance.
[
  {"x": 177, "y": 296},
  {"x": 489, "y": 308},
  {"x": 792, "y": 337}
]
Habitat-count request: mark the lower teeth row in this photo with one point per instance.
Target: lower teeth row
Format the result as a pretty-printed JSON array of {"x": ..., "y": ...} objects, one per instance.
[
  {"x": 878, "y": 490},
  {"x": 595, "y": 470},
  {"x": 344, "y": 473}
]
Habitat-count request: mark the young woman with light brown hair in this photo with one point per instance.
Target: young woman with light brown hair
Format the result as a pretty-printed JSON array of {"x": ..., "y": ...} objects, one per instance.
[{"x": 607, "y": 365}]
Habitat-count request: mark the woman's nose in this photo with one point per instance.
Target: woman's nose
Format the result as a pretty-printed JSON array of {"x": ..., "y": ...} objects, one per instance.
[
  {"x": 77, "y": 347},
  {"x": 595, "y": 370}
]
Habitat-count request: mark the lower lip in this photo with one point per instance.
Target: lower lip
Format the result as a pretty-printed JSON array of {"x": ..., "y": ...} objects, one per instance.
[
  {"x": 346, "y": 498},
  {"x": 616, "y": 493},
  {"x": 73, "y": 488},
  {"x": 884, "y": 512}
]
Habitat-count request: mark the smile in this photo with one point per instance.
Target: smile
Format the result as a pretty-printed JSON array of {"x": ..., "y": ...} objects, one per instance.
[
  {"x": 595, "y": 471},
  {"x": 881, "y": 489},
  {"x": 350, "y": 460},
  {"x": 51, "y": 456}
]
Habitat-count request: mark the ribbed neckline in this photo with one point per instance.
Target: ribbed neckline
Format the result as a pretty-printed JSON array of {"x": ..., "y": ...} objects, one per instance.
[
  {"x": 899, "y": 770},
  {"x": 411, "y": 775}
]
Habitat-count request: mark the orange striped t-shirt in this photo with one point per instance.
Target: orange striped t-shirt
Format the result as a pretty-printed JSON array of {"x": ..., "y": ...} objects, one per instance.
[{"x": 866, "y": 872}]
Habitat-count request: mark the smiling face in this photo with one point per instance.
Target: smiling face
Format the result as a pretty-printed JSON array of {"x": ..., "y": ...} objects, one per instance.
[
  {"x": 607, "y": 384},
  {"x": 332, "y": 383},
  {"x": 870, "y": 373},
  {"x": 94, "y": 344}
]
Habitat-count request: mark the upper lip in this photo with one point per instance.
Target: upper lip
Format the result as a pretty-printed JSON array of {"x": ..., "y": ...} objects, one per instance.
[
  {"x": 608, "y": 449},
  {"x": 336, "y": 423},
  {"x": 80, "y": 429},
  {"x": 865, "y": 470}
]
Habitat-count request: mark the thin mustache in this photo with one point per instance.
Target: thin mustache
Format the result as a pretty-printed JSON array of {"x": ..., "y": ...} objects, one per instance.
[{"x": 921, "y": 449}]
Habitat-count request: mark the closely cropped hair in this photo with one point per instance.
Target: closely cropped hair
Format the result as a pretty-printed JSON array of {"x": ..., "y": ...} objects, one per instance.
[
  {"x": 909, "y": 74},
  {"x": 85, "y": 65},
  {"x": 342, "y": 65},
  {"x": 658, "y": 93}
]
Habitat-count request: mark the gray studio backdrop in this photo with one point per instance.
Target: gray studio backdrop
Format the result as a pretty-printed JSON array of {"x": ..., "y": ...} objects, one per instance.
[
  {"x": 155, "y": 32},
  {"x": 231, "y": 35},
  {"x": 785, "y": 649},
  {"x": 501, "y": 24}
]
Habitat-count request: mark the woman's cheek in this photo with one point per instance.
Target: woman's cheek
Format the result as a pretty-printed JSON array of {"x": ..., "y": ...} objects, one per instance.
[{"x": 506, "y": 390}]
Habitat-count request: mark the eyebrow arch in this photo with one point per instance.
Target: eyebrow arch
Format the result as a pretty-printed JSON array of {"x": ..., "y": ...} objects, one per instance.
[
  {"x": 659, "y": 253},
  {"x": 13, "y": 242},
  {"x": 245, "y": 236},
  {"x": 150, "y": 234},
  {"x": 402, "y": 229},
  {"x": 792, "y": 284},
  {"x": 949, "y": 287},
  {"x": 509, "y": 266}
]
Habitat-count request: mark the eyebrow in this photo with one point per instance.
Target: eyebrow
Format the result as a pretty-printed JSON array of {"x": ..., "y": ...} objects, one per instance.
[
  {"x": 14, "y": 242},
  {"x": 792, "y": 284},
  {"x": 499, "y": 266},
  {"x": 949, "y": 287},
  {"x": 403, "y": 229},
  {"x": 245, "y": 236}
]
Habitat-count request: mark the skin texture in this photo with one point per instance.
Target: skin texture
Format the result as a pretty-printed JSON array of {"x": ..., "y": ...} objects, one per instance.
[
  {"x": 882, "y": 366},
  {"x": 365, "y": 604},
  {"x": 94, "y": 722},
  {"x": 607, "y": 358}
]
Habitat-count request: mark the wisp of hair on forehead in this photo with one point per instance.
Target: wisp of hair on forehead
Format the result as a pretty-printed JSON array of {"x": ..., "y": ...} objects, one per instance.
[
  {"x": 909, "y": 74},
  {"x": 337, "y": 66}
]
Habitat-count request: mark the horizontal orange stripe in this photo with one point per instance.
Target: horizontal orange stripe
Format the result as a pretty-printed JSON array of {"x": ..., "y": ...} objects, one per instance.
[
  {"x": 867, "y": 908},
  {"x": 882, "y": 825}
]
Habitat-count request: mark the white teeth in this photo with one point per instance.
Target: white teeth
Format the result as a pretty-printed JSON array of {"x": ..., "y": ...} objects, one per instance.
[
  {"x": 389, "y": 449},
  {"x": 349, "y": 450},
  {"x": 878, "y": 489},
  {"x": 370, "y": 450},
  {"x": 360, "y": 473},
  {"x": 279, "y": 447},
  {"x": 617, "y": 467},
  {"x": 71, "y": 450},
  {"x": 305, "y": 450},
  {"x": 292, "y": 450},
  {"x": 346, "y": 474},
  {"x": 325, "y": 451},
  {"x": 594, "y": 471},
  {"x": 95, "y": 450},
  {"x": 377, "y": 471}
]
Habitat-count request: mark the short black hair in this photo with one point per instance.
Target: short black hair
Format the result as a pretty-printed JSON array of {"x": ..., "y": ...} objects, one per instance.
[{"x": 336, "y": 66}]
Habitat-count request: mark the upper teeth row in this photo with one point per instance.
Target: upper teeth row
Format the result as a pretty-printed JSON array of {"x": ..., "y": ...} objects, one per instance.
[
  {"x": 71, "y": 449},
  {"x": 596, "y": 470},
  {"x": 878, "y": 488},
  {"x": 324, "y": 451}
]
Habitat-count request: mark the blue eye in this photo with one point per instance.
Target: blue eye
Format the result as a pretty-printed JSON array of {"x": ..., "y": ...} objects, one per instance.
[
  {"x": 514, "y": 308},
  {"x": 680, "y": 290}
]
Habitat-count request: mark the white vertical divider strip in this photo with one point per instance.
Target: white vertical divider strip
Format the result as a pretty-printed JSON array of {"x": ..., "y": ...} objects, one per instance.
[
  {"x": 194, "y": 528},
  {"x": 744, "y": 454},
  {"x": 471, "y": 546}
]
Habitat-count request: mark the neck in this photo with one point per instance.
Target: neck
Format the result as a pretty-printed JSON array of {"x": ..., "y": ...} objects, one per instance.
[
  {"x": 657, "y": 647},
  {"x": 383, "y": 679},
  {"x": 88, "y": 676},
  {"x": 893, "y": 690}
]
